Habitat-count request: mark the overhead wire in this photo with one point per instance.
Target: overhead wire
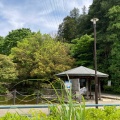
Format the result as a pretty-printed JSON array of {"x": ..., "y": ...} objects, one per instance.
[
  {"x": 56, "y": 19},
  {"x": 47, "y": 10},
  {"x": 54, "y": 8},
  {"x": 57, "y": 7}
]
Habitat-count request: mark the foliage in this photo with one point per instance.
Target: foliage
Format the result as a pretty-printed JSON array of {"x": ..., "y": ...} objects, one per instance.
[
  {"x": 114, "y": 37},
  {"x": 68, "y": 28},
  {"x": 11, "y": 39},
  {"x": 107, "y": 35},
  {"x": 39, "y": 56},
  {"x": 1, "y": 44},
  {"x": 8, "y": 71},
  {"x": 82, "y": 50},
  {"x": 108, "y": 113},
  {"x": 2, "y": 89},
  {"x": 108, "y": 89},
  {"x": 57, "y": 84},
  {"x": 100, "y": 9},
  {"x": 34, "y": 115}
]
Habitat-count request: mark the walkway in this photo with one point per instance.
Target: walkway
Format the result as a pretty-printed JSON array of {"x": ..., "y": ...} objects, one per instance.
[{"x": 110, "y": 96}]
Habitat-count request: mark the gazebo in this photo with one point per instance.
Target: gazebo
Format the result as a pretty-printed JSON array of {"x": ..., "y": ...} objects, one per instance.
[{"x": 82, "y": 77}]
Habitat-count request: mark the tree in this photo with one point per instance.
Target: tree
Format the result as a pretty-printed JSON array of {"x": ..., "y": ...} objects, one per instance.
[
  {"x": 13, "y": 37},
  {"x": 84, "y": 10},
  {"x": 82, "y": 50},
  {"x": 8, "y": 71},
  {"x": 39, "y": 56},
  {"x": 114, "y": 38},
  {"x": 107, "y": 11},
  {"x": 99, "y": 9},
  {"x": 74, "y": 13},
  {"x": 1, "y": 44},
  {"x": 68, "y": 28}
]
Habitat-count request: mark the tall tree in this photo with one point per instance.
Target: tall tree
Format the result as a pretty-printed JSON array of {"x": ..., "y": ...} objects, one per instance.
[
  {"x": 114, "y": 37},
  {"x": 99, "y": 9},
  {"x": 13, "y": 37},
  {"x": 39, "y": 56},
  {"x": 68, "y": 28},
  {"x": 74, "y": 13}
]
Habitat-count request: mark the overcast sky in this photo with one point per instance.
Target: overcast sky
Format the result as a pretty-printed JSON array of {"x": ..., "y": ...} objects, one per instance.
[{"x": 38, "y": 15}]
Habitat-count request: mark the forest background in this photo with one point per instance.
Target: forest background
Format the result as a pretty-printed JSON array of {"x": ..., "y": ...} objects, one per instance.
[{"x": 29, "y": 56}]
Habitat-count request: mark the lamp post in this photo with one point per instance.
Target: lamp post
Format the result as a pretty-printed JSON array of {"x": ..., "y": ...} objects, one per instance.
[{"x": 94, "y": 20}]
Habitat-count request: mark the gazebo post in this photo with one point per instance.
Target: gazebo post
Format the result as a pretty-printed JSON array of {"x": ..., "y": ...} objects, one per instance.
[
  {"x": 87, "y": 88},
  {"x": 90, "y": 86},
  {"x": 99, "y": 88}
]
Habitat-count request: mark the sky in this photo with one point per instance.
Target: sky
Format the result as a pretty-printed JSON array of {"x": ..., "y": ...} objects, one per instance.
[{"x": 38, "y": 15}]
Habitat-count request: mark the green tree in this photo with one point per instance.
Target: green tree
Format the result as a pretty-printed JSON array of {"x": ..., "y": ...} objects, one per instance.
[
  {"x": 74, "y": 13},
  {"x": 68, "y": 28},
  {"x": 1, "y": 44},
  {"x": 11, "y": 39},
  {"x": 99, "y": 9},
  {"x": 39, "y": 56},
  {"x": 114, "y": 38},
  {"x": 107, "y": 11},
  {"x": 8, "y": 71},
  {"x": 82, "y": 50}
]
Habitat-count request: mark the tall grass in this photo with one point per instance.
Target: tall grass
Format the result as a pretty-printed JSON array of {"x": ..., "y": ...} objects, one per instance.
[{"x": 69, "y": 110}]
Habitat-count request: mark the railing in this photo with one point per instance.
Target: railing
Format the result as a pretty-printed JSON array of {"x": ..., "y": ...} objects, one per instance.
[
  {"x": 47, "y": 106},
  {"x": 46, "y": 94},
  {"x": 13, "y": 96}
]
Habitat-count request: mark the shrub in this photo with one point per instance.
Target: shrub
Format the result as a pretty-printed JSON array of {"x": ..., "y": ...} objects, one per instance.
[
  {"x": 94, "y": 114},
  {"x": 108, "y": 89}
]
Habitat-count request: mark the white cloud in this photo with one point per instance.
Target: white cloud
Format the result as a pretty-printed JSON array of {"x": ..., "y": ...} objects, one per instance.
[
  {"x": 43, "y": 15},
  {"x": 14, "y": 18}
]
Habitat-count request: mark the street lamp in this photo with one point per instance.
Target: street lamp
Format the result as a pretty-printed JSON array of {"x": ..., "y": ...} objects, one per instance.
[{"x": 94, "y": 20}]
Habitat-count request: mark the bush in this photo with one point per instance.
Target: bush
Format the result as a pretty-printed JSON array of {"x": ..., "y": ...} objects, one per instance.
[
  {"x": 108, "y": 113},
  {"x": 108, "y": 89},
  {"x": 94, "y": 114},
  {"x": 116, "y": 90},
  {"x": 112, "y": 89}
]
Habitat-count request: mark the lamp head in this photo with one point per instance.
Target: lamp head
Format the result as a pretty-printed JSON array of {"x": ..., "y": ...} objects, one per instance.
[{"x": 94, "y": 20}]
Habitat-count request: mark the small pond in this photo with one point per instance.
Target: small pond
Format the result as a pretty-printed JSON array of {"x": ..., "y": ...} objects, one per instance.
[{"x": 5, "y": 100}]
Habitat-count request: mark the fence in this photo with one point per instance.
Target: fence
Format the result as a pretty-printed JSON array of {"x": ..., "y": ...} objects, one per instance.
[
  {"x": 47, "y": 106},
  {"x": 37, "y": 96},
  {"x": 13, "y": 96}
]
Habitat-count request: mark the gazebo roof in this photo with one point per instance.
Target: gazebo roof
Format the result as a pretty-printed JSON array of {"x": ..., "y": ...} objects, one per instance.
[{"x": 82, "y": 71}]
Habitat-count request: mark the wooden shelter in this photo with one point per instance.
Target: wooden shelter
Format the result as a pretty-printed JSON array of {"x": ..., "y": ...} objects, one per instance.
[{"x": 85, "y": 76}]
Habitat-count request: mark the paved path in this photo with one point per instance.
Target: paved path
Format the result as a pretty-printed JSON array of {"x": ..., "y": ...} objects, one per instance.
[{"x": 23, "y": 111}]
